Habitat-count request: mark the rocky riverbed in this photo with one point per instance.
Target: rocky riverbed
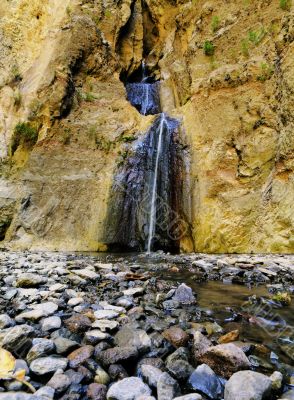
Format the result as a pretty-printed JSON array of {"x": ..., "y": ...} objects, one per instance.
[{"x": 82, "y": 326}]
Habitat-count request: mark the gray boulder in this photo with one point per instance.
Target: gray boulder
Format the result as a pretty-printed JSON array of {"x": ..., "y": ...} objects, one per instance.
[{"x": 248, "y": 385}]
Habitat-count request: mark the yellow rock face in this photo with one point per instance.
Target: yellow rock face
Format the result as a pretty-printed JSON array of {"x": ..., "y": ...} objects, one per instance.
[{"x": 61, "y": 64}]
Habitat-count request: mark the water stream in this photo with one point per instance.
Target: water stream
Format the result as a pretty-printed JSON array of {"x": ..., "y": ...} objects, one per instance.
[
  {"x": 144, "y": 211},
  {"x": 152, "y": 218}
]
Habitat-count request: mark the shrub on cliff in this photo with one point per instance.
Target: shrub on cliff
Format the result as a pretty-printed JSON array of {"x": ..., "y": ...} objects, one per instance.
[
  {"x": 208, "y": 48},
  {"x": 285, "y": 4},
  {"x": 24, "y": 133}
]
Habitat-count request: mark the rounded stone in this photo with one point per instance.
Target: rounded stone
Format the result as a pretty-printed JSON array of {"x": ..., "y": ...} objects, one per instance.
[
  {"x": 47, "y": 365},
  {"x": 248, "y": 385},
  {"x": 128, "y": 389}
]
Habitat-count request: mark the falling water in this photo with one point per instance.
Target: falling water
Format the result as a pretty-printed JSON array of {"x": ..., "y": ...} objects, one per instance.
[
  {"x": 145, "y": 211},
  {"x": 144, "y": 95},
  {"x": 152, "y": 217}
]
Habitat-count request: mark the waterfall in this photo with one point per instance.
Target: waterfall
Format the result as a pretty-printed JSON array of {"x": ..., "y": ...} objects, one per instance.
[
  {"x": 144, "y": 95},
  {"x": 144, "y": 211},
  {"x": 152, "y": 218}
]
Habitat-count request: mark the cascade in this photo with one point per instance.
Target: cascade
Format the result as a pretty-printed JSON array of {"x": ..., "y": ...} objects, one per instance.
[
  {"x": 152, "y": 217},
  {"x": 144, "y": 95},
  {"x": 145, "y": 204}
]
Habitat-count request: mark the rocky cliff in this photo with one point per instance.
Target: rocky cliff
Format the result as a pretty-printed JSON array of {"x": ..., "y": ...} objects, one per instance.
[{"x": 227, "y": 74}]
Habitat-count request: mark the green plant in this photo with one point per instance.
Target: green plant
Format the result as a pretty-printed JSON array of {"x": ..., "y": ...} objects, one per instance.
[
  {"x": 85, "y": 96},
  {"x": 35, "y": 107},
  {"x": 16, "y": 74},
  {"x": 107, "y": 13},
  {"x": 89, "y": 97},
  {"x": 215, "y": 23},
  {"x": 128, "y": 139},
  {"x": 24, "y": 132},
  {"x": 266, "y": 72},
  {"x": 245, "y": 47},
  {"x": 285, "y": 4},
  {"x": 208, "y": 48},
  {"x": 255, "y": 37}
]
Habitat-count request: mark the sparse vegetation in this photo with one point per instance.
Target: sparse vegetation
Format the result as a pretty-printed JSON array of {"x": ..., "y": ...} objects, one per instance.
[
  {"x": 89, "y": 97},
  {"x": 208, "y": 48},
  {"x": 103, "y": 144},
  {"x": 215, "y": 23},
  {"x": 107, "y": 13},
  {"x": 16, "y": 74},
  {"x": 100, "y": 142},
  {"x": 24, "y": 133},
  {"x": 266, "y": 72},
  {"x": 85, "y": 96},
  {"x": 69, "y": 10},
  {"x": 127, "y": 139},
  {"x": 285, "y": 4},
  {"x": 17, "y": 98},
  {"x": 65, "y": 137},
  {"x": 35, "y": 108},
  {"x": 245, "y": 47},
  {"x": 123, "y": 155},
  {"x": 255, "y": 37}
]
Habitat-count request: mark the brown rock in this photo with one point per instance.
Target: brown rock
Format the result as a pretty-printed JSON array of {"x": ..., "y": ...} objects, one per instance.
[
  {"x": 229, "y": 337},
  {"x": 78, "y": 323},
  {"x": 176, "y": 336},
  {"x": 225, "y": 359},
  {"x": 96, "y": 392},
  {"x": 77, "y": 357},
  {"x": 117, "y": 355}
]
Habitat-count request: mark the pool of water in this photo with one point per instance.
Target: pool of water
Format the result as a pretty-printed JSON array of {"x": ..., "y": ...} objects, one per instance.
[{"x": 248, "y": 308}]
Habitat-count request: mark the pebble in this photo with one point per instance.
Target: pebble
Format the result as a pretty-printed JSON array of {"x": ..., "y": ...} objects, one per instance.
[
  {"x": 28, "y": 280},
  {"x": 79, "y": 356},
  {"x": 64, "y": 345},
  {"x": 128, "y": 336},
  {"x": 78, "y": 323},
  {"x": 176, "y": 336},
  {"x": 247, "y": 385},
  {"x": 85, "y": 273},
  {"x": 47, "y": 365},
  {"x": 151, "y": 374},
  {"x": 128, "y": 389},
  {"x": 167, "y": 387},
  {"x": 225, "y": 359},
  {"x": 16, "y": 336},
  {"x": 151, "y": 329},
  {"x": 204, "y": 380},
  {"x": 59, "y": 382},
  {"x": 41, "y": 347},
  {"x": 50, "y": 324},
  {"x": 96, "y": 391},
  {"x": 106, "y": 314},
  {"x": 5, "y": 321},
  {"x": 117, "y": 355},
  {"x": 184, "y": 295},
  {"x": 95, "y": 336}
]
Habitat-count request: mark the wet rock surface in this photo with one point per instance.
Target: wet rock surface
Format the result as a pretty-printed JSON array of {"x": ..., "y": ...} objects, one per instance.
[{"x": 125, "y": 328}]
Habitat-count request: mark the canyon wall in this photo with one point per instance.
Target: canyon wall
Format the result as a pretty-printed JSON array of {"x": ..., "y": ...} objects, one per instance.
[{"x": 227, "y": 74}]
